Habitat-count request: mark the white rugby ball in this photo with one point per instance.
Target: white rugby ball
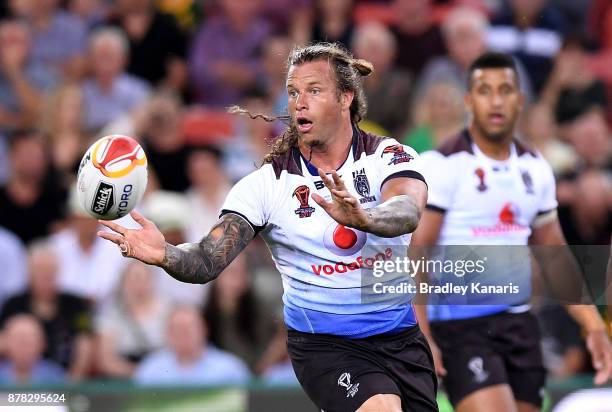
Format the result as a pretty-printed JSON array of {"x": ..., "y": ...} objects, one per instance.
[{"x": 112, "y": 177}]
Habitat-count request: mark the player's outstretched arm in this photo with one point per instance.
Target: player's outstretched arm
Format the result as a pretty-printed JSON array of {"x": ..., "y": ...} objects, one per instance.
[
  {"x": 403, "y": 201},
  {"x": 190, "y": 262},
  {"x": 204, "y": 261}
]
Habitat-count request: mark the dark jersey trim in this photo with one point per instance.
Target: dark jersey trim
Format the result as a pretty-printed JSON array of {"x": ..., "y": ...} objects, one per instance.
[
  {"x": 543, "y": 212},
  {"x": 435, "y": 208},
  {"x": 405, "y": 173},
  {"x": 256, "y": 228}
]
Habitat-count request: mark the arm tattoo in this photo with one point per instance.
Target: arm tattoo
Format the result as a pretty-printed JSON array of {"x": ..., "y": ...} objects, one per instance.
[
  {"x": 202, "y": 262},
  {"x": 395, "y": 217}
]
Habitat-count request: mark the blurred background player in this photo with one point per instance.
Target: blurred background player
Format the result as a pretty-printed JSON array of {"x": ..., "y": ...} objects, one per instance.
[{"x": 487, "y": 188}]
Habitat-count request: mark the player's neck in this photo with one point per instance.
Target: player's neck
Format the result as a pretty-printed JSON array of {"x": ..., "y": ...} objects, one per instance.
[
  {"x": 332, "y": 154},
  {"x": 495, "y": 149}
]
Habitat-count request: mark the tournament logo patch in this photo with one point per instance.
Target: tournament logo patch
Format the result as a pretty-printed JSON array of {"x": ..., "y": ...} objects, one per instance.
[
  {"x": 362, "y": 186},
  {"x": 480, "y": 174},
  {"x": 302, "y": 193},
  {"x": 399, "y": 155},
  {"x": 527, "y": 181}
]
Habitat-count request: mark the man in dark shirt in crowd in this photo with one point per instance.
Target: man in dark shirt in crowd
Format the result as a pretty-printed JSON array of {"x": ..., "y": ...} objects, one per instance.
[
  {"x": 65, "y": 318},
  {"x": 32, "y": 200}
]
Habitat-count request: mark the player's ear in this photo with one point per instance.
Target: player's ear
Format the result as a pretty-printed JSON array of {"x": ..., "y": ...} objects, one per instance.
[
  {"x": 521, "y": 102},
  {"x": 467, "y": 101},
  {"x": 346, "y": 99}
]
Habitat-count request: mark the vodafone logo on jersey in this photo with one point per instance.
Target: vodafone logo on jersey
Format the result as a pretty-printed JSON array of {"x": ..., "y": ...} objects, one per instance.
[
  {"x": 507, "y": 222},
  {"x": 342, "y": 240}
]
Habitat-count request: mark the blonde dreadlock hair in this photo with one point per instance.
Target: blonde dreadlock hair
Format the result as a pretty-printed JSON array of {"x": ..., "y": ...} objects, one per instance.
[{"x": 349, "y": 73}]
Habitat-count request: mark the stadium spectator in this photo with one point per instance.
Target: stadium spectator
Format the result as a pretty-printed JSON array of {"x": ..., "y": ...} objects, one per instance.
[
  {"x": 332, "y": 21},
  {"x": 209, "y": 186},
  {"x": 24, "y": 345},
  {"x": 418, "y": 36},
  {"x": 541, "y": 133},
  {"x": 244, "y": 152},
  {"x": 109, "y": 92},
  {"x": 585, "y": 194},
  {"x": 65, "y": 318},
  {"x": 32, "y": 200},
  {"x": 59, "y": 38},
  {"x": 91, "y": 13},
  {"x": 132, "y": 325},
  {"x": 188, "y": 358},
  {"x": 159, "y": 126},
  {"x": 388, "y": 90},
  {"x": 224, "y": 60},
  {"x": 172, "y": 212},
  {"x": 22, "y": 79},
  {"x": 437, "y": 115},
  {"x": 237, "y": 319},
  {"x": 572, "y": 86},
  {"x": 533, "y": 32},
  {"x": 275, "y": 52},
  {"x": 157, "y": 45},
  {"x": 13, "y": 258},
  {"x": 88, "y": 268},
  {"x": 62, "y": 123},
  {"x": 465, "y": 37}
]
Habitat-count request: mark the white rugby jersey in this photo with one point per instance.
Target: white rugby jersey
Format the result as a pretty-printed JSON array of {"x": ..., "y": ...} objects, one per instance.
[
  {"x": 320, "y": 260},
  {"x": 488, "y": 202}
]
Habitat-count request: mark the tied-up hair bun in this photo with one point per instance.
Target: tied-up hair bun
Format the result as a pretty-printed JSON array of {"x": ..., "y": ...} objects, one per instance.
[{"x": 363, "y": 67}]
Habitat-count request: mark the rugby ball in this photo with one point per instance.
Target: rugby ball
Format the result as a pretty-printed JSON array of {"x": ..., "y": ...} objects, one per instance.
[{"x": 112, "y": 177}]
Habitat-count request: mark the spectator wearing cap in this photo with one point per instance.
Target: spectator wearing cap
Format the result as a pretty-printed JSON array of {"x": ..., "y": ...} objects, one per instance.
[
  {"x": 188, "y": 358},
  {"x": 65, "y": 318},
  {"x": 24, "y": 343}
]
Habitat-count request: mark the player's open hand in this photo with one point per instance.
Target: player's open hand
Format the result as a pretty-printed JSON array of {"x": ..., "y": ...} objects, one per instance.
[
  {"x": 146, "y": 244},
  {"x": 344, "y": 207},
  {"x": 599, "y": 345}
]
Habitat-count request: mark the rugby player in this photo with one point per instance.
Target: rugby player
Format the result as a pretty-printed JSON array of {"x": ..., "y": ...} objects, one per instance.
[
  {"x": 325, "y": 192},
  {"x": 487, "y": 188}
]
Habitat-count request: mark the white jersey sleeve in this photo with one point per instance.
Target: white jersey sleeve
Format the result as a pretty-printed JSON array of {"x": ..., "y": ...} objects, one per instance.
[
  {"x": 397, "y": 160},
  {"x": 248, "y": 199},
  {"x": 439, "y": 177}
]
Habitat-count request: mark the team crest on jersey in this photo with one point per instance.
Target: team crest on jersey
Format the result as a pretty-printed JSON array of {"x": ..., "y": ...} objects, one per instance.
[
  {"x": 399, "y": 155},
  {"x": 480, "y": 174},
  {"x": 302, "y": 193},
  {"x": 362, "y": 186},
  {"x": 527, "y": 181}
]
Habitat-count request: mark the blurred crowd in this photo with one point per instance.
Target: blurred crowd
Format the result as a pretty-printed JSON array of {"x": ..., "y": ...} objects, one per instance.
[{"x": 165, "y": 72}]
